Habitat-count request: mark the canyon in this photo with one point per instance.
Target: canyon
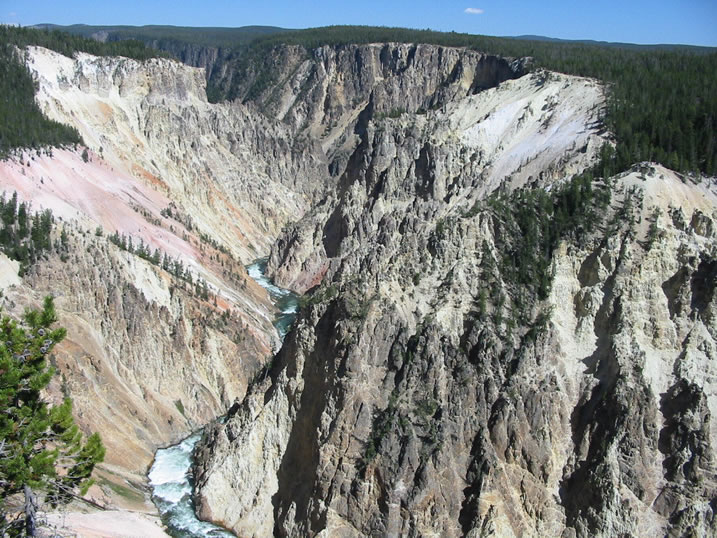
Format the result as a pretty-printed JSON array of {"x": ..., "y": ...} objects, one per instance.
[{"x": 428, "y": 387}]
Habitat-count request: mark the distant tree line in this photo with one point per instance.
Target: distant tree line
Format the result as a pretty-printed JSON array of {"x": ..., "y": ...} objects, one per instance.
[
  {"x": 68, "y": 44},
  {"x": 168, "y": 37},
  {"x": 311, "y": 38}
]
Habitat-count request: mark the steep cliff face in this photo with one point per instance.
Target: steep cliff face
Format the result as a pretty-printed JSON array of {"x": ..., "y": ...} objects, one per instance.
[
  {"x": 334, "y": 82},
  {"x": 430, "y": 404},
  {"x": 451, "y": 374},
  {"x": 204, "y": 57},
  {"x": 331, "y": 93},
  {"x": 529, "y": 131},
  {"x": 148, "y": 359},
  {"x": 145, "y": 354},
  {"x": 240, "y": 176}
]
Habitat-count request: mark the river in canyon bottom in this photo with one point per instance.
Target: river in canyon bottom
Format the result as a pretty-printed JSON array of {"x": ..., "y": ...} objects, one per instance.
[{"x": 170, "y": 474}]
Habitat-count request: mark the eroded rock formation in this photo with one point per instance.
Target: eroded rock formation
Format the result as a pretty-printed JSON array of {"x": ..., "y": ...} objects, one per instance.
[
  {"x": 426, "y": 390},
  {"x": 149, "y": 359}
]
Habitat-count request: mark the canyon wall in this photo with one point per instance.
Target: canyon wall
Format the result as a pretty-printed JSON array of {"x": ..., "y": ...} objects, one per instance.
[
  {"x": 486, "y": 346},
  {"x": 240, "y": 176},
  {"x": 441, "y": 382},
  {"x": 152, "y": 356}
]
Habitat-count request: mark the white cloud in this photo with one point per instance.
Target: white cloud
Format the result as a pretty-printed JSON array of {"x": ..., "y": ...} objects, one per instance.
[{"x": 474, "y": 11}]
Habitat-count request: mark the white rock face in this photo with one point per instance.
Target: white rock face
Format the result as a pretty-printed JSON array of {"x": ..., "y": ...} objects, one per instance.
[
  {"x": 8, "y": 272},
  {"x": 539, "y": 126},
  {"x": 108, "y": 524}
]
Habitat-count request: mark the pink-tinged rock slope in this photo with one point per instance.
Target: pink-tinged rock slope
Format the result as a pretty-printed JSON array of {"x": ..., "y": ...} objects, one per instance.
[{"x": 238, "y": 175}]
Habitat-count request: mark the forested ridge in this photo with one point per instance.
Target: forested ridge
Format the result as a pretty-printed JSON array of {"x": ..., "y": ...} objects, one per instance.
[
  {"x": 68, "y": 44},
  {"x": 162, "y": 34}
]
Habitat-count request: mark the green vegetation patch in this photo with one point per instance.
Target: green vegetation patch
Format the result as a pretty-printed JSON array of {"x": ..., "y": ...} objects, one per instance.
[
  {"x": 42, "y": 447},
  {"x": 534, "y": 221},
  {"x": 180, "y": 406},
  {"x": 22, "y": 124},
  {"x": 24, "y": 236},
  {"x": 125, "y": 492}
]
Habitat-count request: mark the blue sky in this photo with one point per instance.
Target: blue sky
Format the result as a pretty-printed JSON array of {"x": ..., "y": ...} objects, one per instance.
[{"x": 635, "y": 21}]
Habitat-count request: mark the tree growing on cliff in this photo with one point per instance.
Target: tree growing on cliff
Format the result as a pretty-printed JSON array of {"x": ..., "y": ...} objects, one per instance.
[{"x": 41, "y": 447}]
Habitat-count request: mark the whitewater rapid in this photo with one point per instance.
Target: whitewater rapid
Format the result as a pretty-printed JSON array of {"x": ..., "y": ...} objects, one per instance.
[
  {"x": 172, "y": 490},
  {"x": 286, "y": 302}
]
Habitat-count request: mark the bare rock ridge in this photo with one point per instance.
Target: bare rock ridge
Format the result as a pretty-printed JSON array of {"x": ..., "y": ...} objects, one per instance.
[
  {"x": 147, "y": 359},
  {"x": 426, "y": 391},
  {"x": 330, "y": 93},
  {"x": 532, "y": 130},
  {"x": 318, "y": 88},
  {"x": 240, "y": 176}
]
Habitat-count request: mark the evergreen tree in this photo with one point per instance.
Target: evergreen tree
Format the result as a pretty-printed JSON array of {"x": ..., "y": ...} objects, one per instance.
[
  {"x": 36, "y": 438},
  {"x": 10, "y": 210},
  {"x": 22, "y": 221}
]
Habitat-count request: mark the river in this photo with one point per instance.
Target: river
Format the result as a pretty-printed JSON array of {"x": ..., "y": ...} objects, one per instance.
[{"x": 170, "y": 476}]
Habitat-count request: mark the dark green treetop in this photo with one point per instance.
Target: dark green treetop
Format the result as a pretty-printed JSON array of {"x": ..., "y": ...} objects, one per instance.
[{"x": 41, "y": 447}]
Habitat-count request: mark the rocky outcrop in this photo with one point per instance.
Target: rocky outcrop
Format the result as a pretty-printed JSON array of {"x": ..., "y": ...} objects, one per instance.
[
  {"x": 192, "y": 54},
  {"x": 530, "y": 131},
  {"x": 321, "y": 87},
  {"x": 433, "y": 387},
  {"x": 330, "y": 93}
]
